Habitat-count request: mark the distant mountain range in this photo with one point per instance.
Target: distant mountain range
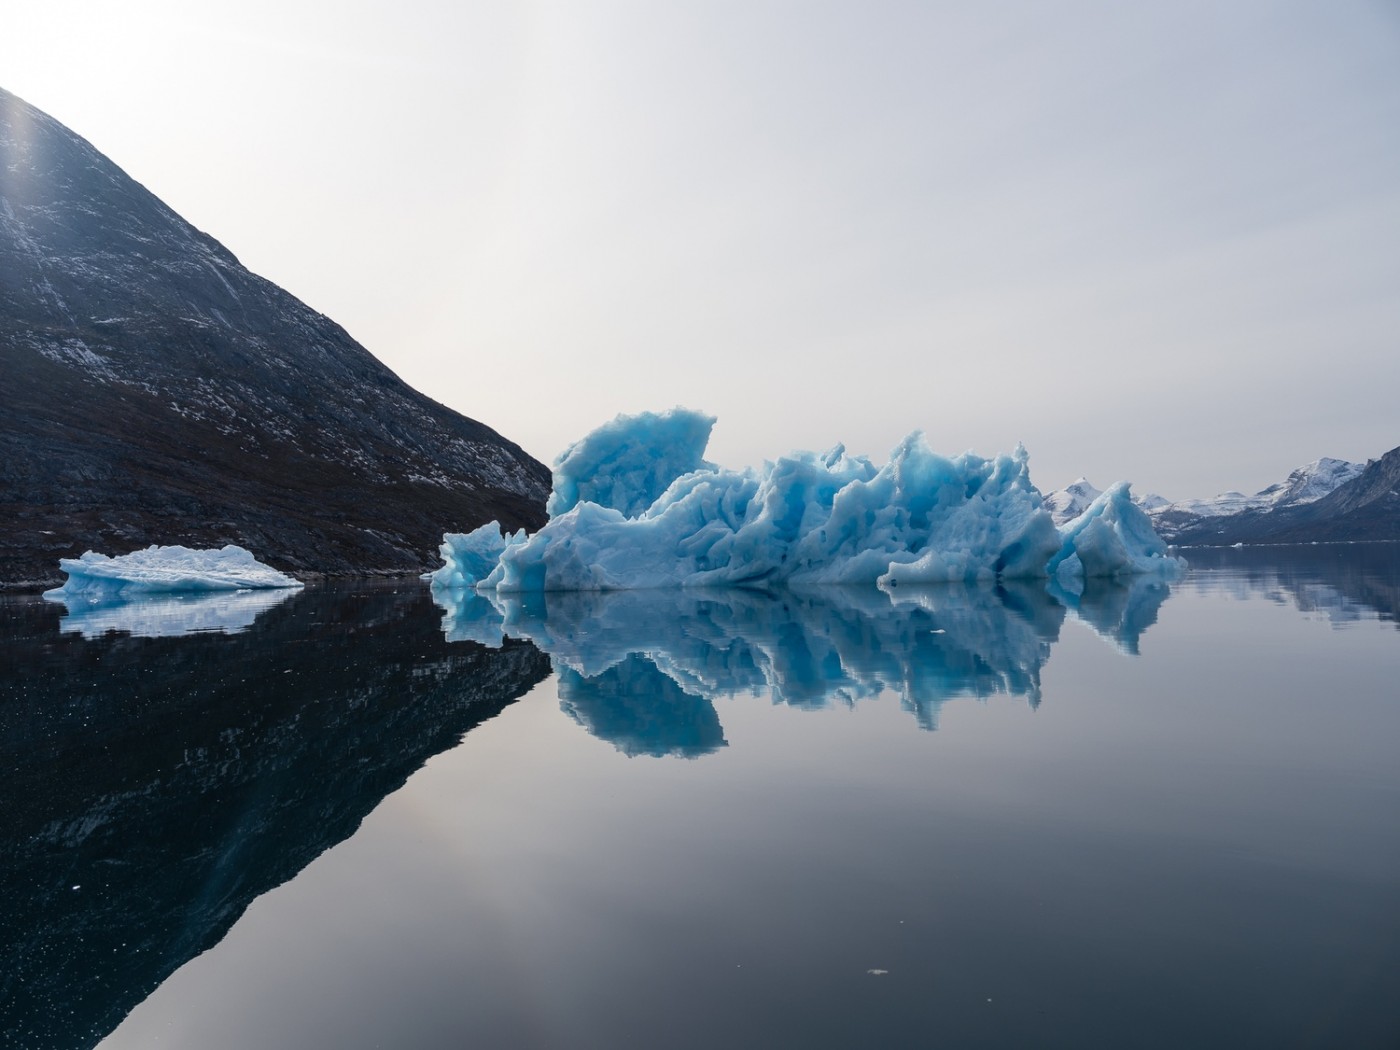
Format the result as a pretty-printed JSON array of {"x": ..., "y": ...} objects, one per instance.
[
  {"x": 1328, "y": 500},
  {"x": 156, "y": 391}
]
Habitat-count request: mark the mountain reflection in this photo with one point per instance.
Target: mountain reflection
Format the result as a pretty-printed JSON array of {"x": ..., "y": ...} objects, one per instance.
[
  {"x": 155, "y": 786},
  {"x": 1343, "y": 583},
  {"x": 642, "y": 669}
]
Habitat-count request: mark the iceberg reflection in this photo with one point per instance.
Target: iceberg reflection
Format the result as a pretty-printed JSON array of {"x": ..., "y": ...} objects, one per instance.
[
  {"x": 641, "y": 711},
  {"x": 170, "y": 615},
  {"x": 1119, "y": 611},
  {"x": 642, "y": 668}
]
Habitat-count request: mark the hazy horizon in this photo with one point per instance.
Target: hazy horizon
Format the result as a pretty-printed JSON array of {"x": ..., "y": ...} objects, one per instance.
[{"x": 1152, "y": 244}]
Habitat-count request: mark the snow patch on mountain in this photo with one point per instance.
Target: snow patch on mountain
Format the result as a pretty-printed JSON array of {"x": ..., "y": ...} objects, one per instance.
[
  {"x": 1068, "y": 503},
  {"x": 1306, "y": 484}
]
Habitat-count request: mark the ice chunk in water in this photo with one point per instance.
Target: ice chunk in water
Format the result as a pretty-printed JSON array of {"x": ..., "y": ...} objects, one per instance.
[{"x": 96, "y": 577}]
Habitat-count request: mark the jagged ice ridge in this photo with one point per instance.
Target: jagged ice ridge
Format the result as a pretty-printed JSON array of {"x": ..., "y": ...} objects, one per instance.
[{"x": 635, "y": 505}]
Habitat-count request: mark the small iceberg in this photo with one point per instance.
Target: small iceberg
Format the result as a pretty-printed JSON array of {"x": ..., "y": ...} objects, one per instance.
[
  {"x": 96, "y": 578},
  {"x": 636, "y": 506}
]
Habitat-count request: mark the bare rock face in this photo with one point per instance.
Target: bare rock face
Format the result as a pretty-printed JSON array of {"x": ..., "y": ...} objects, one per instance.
[{"x": 156, "y": 391}]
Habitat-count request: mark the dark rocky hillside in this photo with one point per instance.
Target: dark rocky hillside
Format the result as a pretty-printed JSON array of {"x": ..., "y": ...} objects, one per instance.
[{"x": 156, "y": 391}]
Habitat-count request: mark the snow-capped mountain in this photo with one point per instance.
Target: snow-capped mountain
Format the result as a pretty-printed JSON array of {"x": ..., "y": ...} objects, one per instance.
[
  {"x": 1306, "y": 484},
  {"x": 1068, "y": 503},
  {"x": 1326, "y": 500},
  {"x": 156, "y": 391},
  {"x": 1312, "y": 481}
]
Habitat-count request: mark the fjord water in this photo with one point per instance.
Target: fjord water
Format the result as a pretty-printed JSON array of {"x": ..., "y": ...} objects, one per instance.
[{"x": 990, "y": 817}]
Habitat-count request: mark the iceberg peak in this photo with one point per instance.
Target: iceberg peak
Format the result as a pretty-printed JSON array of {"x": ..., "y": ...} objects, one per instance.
[{"x": 628, "y": 463}]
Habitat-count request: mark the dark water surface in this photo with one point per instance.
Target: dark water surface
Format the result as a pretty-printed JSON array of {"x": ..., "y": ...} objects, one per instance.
[{"x": 965, "y": 817}]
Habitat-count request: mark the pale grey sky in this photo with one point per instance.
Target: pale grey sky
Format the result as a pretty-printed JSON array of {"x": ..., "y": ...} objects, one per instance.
[{"x": 1153, "y": 242}]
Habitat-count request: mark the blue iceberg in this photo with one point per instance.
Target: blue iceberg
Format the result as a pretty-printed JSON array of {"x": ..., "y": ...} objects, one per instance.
[
  {"x": 636, "y": 506},
  {"x": 1113, "y": 537},
  {"x": 628, "y": 463},
  {"x": 469, "y": 557}
]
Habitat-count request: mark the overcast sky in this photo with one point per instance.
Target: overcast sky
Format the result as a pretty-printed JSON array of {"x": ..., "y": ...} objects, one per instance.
[{"x": 1153, "y": 242}]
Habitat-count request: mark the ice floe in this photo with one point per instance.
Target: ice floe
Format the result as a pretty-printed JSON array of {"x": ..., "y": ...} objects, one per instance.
[{"x": 96, "y": 577}]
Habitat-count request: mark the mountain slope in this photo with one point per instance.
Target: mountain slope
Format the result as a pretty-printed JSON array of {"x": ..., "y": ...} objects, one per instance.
[
  {"x": 1305, "y": 484},
  {"x": 1363, "y": 507},
  {"x": 156, "y": 391}
]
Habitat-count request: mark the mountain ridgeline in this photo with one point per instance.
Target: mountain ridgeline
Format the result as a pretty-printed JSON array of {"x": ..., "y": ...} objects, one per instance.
[
  {"x": 1364, "y": 508},
  {"x": 156, "y": 391},
  {"x": 1326, "y": 501}
]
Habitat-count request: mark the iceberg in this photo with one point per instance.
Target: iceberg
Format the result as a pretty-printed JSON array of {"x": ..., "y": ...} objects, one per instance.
[
  {"x": 1113, "y": 537},
  {"x": 155, "y": 570},
  {"x": 468, "y": 557},
  {"x": 628, "y": 463},
  {"x": 636, "y": 506}
]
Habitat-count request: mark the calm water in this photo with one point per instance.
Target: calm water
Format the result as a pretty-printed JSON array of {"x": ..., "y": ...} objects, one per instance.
[{"x": 958, "y": 817}]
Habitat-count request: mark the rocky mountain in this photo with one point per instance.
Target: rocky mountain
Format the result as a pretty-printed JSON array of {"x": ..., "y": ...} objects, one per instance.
[
  {"x": 1323, "y": 501},
  {"x": 1312, "y": 481},
  {"x": 1068, "y": 503},
  {"x": 1304, "y": 485},
  {"x": 1365, "y": 507},
  {"x": 156, "y": 391}
]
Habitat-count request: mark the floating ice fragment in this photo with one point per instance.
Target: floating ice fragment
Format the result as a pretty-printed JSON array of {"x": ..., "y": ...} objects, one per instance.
[
  {"x": 96, "y": 577},
  {"x": 468, "y": 558}
]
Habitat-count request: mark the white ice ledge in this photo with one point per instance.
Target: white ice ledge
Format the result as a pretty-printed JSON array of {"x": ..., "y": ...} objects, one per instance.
[{"x": 96, "y": 577}]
